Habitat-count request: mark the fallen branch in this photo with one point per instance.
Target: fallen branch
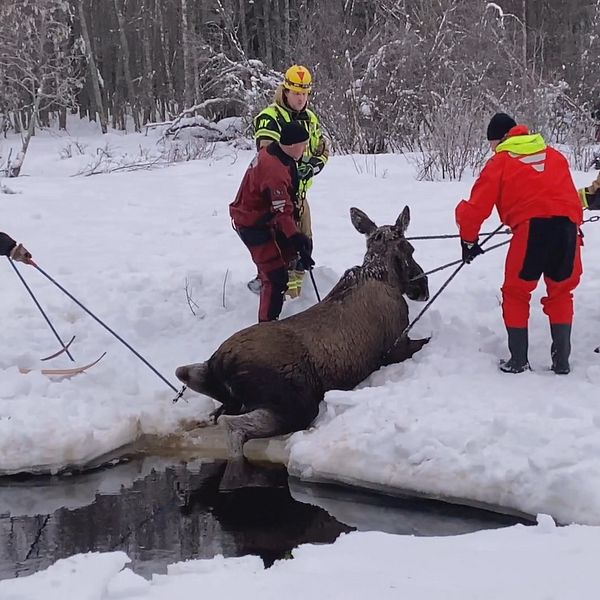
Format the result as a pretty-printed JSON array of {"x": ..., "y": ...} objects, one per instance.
[
  {"x": 224, "y": 284},
  {"x": 188, "y": 296}
]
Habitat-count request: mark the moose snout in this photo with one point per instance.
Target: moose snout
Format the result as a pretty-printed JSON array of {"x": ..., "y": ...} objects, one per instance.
[
  {"x": 183, "y": 374},
  {"x": 195, "y": 376},
  {"x": 419, "y": 289}
]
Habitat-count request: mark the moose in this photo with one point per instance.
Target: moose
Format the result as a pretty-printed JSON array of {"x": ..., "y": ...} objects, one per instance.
[{"x": 271, "y": 377}]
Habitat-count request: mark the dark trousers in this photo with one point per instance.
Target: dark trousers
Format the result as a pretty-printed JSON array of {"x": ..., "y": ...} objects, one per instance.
[
  {"x": 542, "y": 246},
  {"x": 271, "y": 252}
]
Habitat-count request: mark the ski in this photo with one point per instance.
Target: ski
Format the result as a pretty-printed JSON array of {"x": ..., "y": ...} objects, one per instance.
[
  {"x": 68, "y": 372},
  {"x": 66, "y": 347}
]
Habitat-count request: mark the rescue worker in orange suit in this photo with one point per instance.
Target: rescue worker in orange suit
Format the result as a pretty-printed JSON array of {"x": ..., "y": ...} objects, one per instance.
[
  {"x": 531, "y": 186},
  {"x": 264, "y": 215}
]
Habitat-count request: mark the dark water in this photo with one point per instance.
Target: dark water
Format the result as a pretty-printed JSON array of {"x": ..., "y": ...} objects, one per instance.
[{"x": 160, "y": 512}]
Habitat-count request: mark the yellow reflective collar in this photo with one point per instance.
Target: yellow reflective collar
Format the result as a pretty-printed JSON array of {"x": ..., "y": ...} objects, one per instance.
[{"x": 523, "y": 144}]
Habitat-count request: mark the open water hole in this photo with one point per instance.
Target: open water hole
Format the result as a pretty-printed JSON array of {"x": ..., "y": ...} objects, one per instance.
[{"x": 160, "y": 511}]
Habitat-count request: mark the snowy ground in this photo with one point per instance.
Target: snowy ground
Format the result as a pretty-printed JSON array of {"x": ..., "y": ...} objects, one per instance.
[
  {"x": 446, "y": 423},
  {"x": 521, "y": 563}
]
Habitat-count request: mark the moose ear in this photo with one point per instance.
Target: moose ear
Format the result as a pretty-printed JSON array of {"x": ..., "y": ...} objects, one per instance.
[
  {"x": 361, "y": 222},
  {"x": 403, "y": 220}
]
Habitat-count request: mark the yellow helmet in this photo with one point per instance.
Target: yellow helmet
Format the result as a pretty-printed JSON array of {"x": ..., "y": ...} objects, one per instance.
[{"x": 298, "y": 79}]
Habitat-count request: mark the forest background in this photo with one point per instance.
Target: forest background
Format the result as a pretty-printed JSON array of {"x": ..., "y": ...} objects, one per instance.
[{"x": 417, "y": 76}]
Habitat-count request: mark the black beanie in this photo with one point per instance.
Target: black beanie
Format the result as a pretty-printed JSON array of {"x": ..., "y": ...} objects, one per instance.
[
  {"x": 293, "y": 133},
  {"x": 500, "y": 124}
]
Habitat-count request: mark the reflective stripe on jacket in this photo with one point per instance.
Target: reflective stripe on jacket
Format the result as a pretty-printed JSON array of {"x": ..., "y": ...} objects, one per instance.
[
  {"x": 524, "y": 179},
  {"x": 270, "y": 120}
]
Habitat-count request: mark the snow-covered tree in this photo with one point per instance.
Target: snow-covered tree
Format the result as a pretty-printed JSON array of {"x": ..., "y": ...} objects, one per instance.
[{"x": 39, "y": 65}]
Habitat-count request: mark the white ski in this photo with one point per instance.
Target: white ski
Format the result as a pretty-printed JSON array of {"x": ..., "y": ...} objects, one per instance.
[{"x": 68, "y": 372}]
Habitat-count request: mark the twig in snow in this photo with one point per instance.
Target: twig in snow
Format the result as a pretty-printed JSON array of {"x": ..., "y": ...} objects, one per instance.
[
  {"x": 188, "y": 296},
  {"x": 224, "y": 285}
]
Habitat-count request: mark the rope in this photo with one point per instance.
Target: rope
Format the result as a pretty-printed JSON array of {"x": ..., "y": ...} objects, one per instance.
[
  {"x": 64, "y": 347},
  {"x": 451, "y": 235},
  {"x": 456, "y": 262},
  {"x": 593, "y": 219},
  {"x": 89, "y": 312},
  {"x": 411, "y": 325},
  {"x": 460, "y": 266},
  {"x": 312, "y": 278}
]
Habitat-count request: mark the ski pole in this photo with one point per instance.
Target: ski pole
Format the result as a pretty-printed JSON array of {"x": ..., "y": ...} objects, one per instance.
[
  {"x": 449, "y": 236},
  {"x": 312, "y": 278},
  {"x": 89, "y": 312},
  {"x": 435, "y": 296},
  {"x": 456, "y": 262},
  {"x": 63, "y": 345},
  {"x": 443, "y": 287}
]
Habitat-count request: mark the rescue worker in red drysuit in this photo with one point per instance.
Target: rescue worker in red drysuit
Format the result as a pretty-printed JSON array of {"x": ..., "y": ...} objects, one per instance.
[
  {"x": 531, "y": 186},
  {"x": 263, "y": 214}
]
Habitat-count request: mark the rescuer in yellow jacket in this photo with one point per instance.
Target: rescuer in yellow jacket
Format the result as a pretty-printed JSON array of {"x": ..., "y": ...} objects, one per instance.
[
  {"x": 590, "y": 196},
  {"x": 291, "y": 104}
]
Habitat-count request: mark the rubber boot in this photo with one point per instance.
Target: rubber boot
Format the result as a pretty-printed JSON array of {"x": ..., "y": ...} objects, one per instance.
[
  {"x": 561, "y": 348},
  {"x": 518, "y": 346}
]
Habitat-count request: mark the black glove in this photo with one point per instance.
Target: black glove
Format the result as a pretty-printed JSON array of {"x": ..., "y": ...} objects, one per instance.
[
  {"x": 6, "y": 244},
  {"x": 593, "y": 199},
  {"x": 305, "y": 171},
  {"x": 303, "y": 246},
  {"x": 470, "y": 250},
  {"x": 310, "y": 168}
]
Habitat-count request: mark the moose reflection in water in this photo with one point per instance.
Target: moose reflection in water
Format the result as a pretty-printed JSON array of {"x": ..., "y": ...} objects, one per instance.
[
  {"x": 271, "y": 377},
  {"x": 159, "y": 517},
  {"x": 159, "y": 513}
]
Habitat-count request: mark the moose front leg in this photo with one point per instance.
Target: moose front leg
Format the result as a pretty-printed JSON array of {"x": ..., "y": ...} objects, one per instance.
[
  {"x": 232, "y": 407},
  {"x": 259, "y": 423}
]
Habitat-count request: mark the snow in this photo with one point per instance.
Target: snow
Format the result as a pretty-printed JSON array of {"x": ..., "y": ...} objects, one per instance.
[
  {"x": 444, "y": 424},
  {"x": 523, "y": 563}
]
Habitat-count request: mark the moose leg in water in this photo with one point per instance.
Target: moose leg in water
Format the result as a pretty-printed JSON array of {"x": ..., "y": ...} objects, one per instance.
[{"x": 259, "y": 423}]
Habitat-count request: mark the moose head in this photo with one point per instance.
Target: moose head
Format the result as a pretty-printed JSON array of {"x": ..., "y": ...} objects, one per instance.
[{"x": 389, "y": 254}]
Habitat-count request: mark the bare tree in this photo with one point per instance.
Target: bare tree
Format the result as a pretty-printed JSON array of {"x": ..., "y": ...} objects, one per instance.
[
  {"x": 92, "y": 67},
  {"x": 267, "y": 32},
  {"x": 382, "y": 68},
  {"x": 38, "y": 66},
  {"x": 188, "y": 66},
  {"x": 125, "y": 59}
]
